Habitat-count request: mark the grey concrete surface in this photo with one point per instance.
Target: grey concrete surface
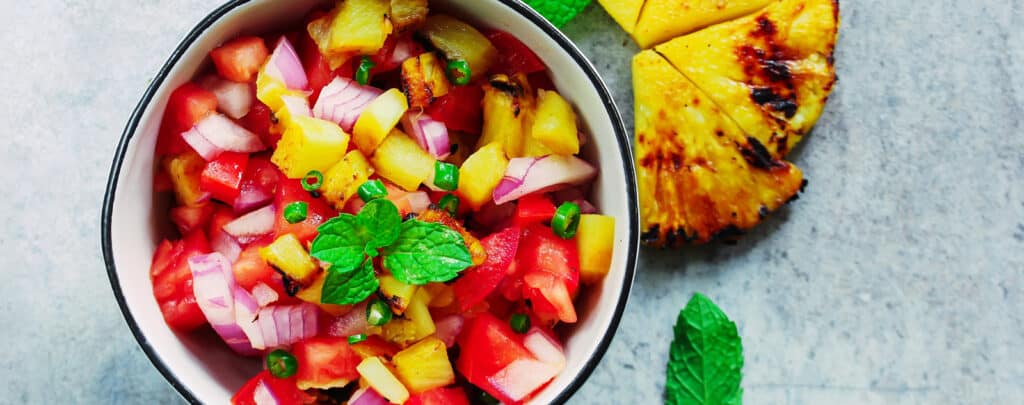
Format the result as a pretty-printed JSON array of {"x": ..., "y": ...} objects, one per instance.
[{"x": 897, "y": 278}]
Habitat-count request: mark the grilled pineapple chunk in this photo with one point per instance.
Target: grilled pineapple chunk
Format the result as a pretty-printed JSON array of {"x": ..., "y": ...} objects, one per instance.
[
  {"x": 770, "y": 71},
  {"x": 406, "y": 14},
  {"x": 503, "y": 106},
  {"x": 354, "y": 27},
  {"x": 309, "y": 144},
  {"x": 417, "y": 323},
  {"x": 383, "y": 380},
  {"x": 378, "y": 119},
  {"x": 424, "y": 79},
  {"x": 288, "y": 255},
  {"x": 185, "y": 170},
  {"x": 402, "y": 161},
  {"x": 554, "y": 124},
  {"x": 424, "y": 366},
  {"x": 460, "y": 41},
  {"x": 396, "y": 293},
  {"x": 342, "y": 181},
  {"x": 480, "y": 175},
  {"x": 699, "y": 176},
  {"x": 662, "y": 20}
]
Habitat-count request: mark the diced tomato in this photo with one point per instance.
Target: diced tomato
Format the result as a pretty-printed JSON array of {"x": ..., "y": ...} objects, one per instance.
[
  {"x": 534, "y": 208},
  {"x": 460, "y": 109},
  {"x": 541, "y": 80},
  {"x": 162, "y": 181},
  {"x": 550, "y": 268},
  {"x": 240, "y": 60},
  {"x": 188, "y": 218},
  {"x": 325, "y": 362},
  {"x": 440, "y": 396},
  {"x": 261, "y": 175},
  {"x": 250, "y": 269},
  {"x": 172, "y": 281},
  {"x": 487, "y": 345},
  {"x": 478, "y": 282},
  {"x": 186, "y": 106},
  {"x": 395, "y": 50},
  {"x": 259, "y": 121},
  {"x": 318, "y": 212},
  {"x": 513, "y": 55},
  {"x": 222, "y": 176},
  {"x": 283, "y": 389},
  {"x": 318, "y": 70}
]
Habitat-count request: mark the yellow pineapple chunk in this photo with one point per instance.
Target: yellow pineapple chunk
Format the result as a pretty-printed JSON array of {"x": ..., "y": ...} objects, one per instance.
[
  {"x": 288, "y": 255},
  {"x": 595, "y": 238},
  {"x": 312, "y": 295},
  {"x": 481, "y": 173},
  {"x": 408, "y": 13},
  {"x": 378, "y": 119},
  {"x": 624, "y": 12},
  {"x": 309, "y": 144},
  {"x": 424, "y": 366},
  {"x": 503, "y": 114},
  {"x": 402, "y": 161},
  {"x": 662, "y": 20},
  {"x": 554, "y": 124},
  {"x": 419, "y": 313},
  {"x": 185, "y": 171},
  {"x": 383, "y": 380},
  {"x": 399, "y": 331},
  {"x": 441, "y": 295},
  {"x": 397, "y": 294},
  {"x": 774, "y": 96},
  {"x": 271, "y": 91},
  {"x": 460, "y": 41},
  {"x": 343, "y": 179},
  {"x": 424, "y": 79},
  {"x": 699, "y": 176},
  {"x": 354, "y": 27}
]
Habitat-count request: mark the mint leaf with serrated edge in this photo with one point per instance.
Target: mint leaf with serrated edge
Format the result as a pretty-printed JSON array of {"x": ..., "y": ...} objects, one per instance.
[
  {"x": 427, "y": 252},
  {"x": 706, "y": 357},
  {"x": 346, "y": 287},
  {"x": 344, "y": 240},
  {"x": 380, "y": 218},
  {"x": 559, "y": 12}
]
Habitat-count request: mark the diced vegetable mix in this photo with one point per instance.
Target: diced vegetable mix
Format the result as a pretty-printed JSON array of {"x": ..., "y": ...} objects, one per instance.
[{"x": 387, "y": 208}]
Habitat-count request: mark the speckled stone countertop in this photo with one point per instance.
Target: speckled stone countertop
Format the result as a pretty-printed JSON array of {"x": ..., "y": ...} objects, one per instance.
[{"x": 898, "y": 277}]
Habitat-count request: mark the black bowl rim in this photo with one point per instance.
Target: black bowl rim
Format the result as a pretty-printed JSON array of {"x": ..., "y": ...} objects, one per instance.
[{"x": 519, "y": 7}]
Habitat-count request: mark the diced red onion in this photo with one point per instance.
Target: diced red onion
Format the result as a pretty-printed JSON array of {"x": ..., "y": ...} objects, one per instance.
[
  {"x": 285, "y": 66},
  {"x": 544, "y": 347},
  {"x": 249, "y": 197},
  {"x": 225, "y": 244},
  {"x": 262, "y": 395},
  {"x": 264, "y": 294},
  {"x": 418, "y": 201},
  {"x": 586, "y": 207},
  {"x": 221, "y": 134},
  {"x": 522, "y": 377},
  {"x": 529, "y": 175},
  {"x": 448, "y": 328},
  {"x": 351, "y": 323},
  {"x": 233, "y": 98},
  {"x": 214, "y": 285},
  {"x": 493, "y": 216},
  {"x": 404, "y": 49},
  {"x": 367, "y": 396},
  {"x": 432, "y": 135},
  {"x": 342, "y": 101},
  {"x": 283, "y": 325},
  {"x": 253, "y": 225}
]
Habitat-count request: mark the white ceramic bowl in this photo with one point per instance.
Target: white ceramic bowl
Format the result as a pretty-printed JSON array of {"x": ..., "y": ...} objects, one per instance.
[{"x": 203, "y": 369}]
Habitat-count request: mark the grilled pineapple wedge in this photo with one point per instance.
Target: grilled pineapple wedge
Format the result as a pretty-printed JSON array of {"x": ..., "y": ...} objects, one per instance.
[
  {"x": 700, "y": 176},
  {"x": 662, "y": 20},
  {"x": 770, "y": 71},
  {"x": 624, "y": 12}
]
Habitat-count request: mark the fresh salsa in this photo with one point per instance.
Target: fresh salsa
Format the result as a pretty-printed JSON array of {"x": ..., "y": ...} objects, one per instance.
[{"x": 385, "y": 204}]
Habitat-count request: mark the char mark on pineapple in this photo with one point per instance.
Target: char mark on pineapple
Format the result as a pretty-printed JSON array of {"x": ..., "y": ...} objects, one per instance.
[
  {"x": 652, "y": 235},
  {"x": 774, "y": 100},
  {"x": 728, "y": 235},
  {"x": 758, "y": 156}
]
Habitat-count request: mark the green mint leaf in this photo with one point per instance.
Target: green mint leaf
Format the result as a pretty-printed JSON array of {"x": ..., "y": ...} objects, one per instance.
[
  {"x": 351, "y": 286},
  {"x": 559, "y": 12},
  {"x": 345, "y": 240},
  {"x": 427, "y": 253},
  {"x": 706, "y": 357},
  {"x": 381, "y": 222},
  {"x": 340, "y": 241}
]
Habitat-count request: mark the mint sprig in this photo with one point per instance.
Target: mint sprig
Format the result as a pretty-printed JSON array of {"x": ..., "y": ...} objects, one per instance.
[
  {"x": 706, "y": 357},
  {"x": 559, "y": 12},
  {"x": 415, "y": 252},
  {"x": 427, "y": 252}
]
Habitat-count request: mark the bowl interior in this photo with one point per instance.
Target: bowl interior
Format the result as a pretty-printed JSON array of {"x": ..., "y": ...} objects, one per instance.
[{"x": 203, "y": 368}]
